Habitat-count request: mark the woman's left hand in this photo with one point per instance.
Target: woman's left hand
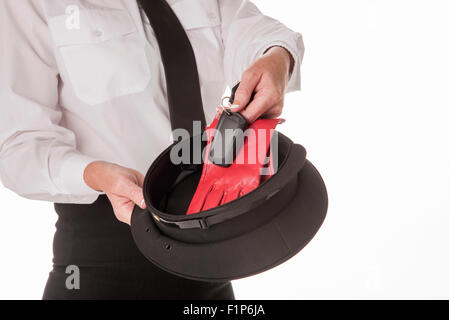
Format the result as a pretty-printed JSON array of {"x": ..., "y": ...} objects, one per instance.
[{"x": 267, "y": 78}]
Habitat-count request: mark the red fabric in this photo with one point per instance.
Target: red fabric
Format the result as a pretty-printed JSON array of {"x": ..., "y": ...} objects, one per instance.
[{"x": 219, "y": 185}]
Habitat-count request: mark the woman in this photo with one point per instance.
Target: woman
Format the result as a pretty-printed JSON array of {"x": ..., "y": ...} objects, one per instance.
[{"x": 81, "y": 83}]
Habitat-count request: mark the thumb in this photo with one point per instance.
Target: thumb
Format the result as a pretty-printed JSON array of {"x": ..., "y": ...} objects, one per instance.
[
  {"x": 140, "y": 178},
  {"x": 134, "y": 192},
  {"x": 245, "y": 90}
]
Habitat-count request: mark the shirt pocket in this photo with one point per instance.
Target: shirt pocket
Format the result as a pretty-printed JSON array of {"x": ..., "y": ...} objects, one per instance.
[{"x": 104, "y": 58}]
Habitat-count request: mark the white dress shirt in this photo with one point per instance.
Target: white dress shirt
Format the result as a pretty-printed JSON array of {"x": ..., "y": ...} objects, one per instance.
[{"x": 82, "y": 80}]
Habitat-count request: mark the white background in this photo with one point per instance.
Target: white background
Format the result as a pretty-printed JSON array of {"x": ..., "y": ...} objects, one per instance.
[{"x": 373, "y": 116}]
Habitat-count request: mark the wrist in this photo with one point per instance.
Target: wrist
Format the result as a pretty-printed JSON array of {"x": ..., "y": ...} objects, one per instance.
[
  {"x": 287, "y": 57},
  {"x": 92, "y": 175}
]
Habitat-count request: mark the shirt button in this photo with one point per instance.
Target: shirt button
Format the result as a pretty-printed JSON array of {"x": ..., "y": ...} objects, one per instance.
[{"x": 97, "y": 33}]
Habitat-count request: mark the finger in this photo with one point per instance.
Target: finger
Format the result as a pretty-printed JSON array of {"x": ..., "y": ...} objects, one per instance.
[
  {"x": 275, "y": 111},
  {"x": 134, "y": 193},
  {"x": 125, "y": 212},
  {"x": 198, "y": 199},
  {"x": 122, "y": 207},
  {"x": 255, "y": 109},
  {"x": 272, "y": 115},
  {"x": 213, "y": 199},
  {"x": 246, "y": 190},
  {"x": 247, "y": 86},
  {"x": 264, "y": 100},
  {"x": 230, "y": 195}
]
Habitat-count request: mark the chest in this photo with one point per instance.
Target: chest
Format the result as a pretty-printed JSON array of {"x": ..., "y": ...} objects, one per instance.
[{"x": 102, "y": 46}]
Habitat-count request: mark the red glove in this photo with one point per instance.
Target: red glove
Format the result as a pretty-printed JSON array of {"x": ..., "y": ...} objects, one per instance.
[{"x": 219, "y": 185}]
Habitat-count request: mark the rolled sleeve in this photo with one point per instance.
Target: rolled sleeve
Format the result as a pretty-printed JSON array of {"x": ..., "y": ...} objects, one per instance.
[{"x": 247, "y": 34}]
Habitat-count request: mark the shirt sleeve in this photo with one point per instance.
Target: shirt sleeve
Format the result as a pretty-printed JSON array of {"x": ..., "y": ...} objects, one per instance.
[
  {"x": 247, "y": 34},
  {"x": 38, "y": 157}
]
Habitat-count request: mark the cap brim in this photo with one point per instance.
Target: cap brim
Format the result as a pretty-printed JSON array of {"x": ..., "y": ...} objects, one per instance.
[{"x": 251, "y": 253}]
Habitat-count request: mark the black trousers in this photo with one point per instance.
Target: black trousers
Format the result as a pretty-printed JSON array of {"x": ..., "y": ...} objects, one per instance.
[{"x": 90, "y": 239}]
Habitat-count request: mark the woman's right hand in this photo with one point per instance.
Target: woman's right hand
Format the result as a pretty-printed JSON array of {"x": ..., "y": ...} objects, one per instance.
[{"x": 123, "y": 186}]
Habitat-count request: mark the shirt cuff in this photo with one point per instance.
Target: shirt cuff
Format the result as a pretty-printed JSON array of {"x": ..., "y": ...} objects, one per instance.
[{"x": 71, "y": 176}]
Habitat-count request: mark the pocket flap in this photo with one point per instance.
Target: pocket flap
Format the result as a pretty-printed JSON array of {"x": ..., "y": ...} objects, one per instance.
[{"x": 94, "y": 26}]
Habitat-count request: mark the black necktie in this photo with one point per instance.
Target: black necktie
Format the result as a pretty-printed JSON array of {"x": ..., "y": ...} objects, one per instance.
[{"x": 183, "y": 86}]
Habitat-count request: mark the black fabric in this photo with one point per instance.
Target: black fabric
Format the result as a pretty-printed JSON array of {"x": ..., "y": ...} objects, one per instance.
[
  {"x": 111, "y": 266},
  {"x": 183, "y": 85},
  {"x": 296, "y": 223}
]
